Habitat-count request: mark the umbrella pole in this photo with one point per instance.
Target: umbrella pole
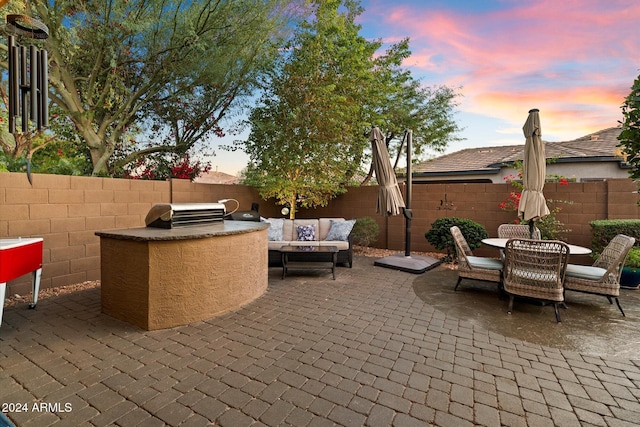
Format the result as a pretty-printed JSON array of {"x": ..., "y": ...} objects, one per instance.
[
  {"x": 408, "y": 213},
  {"x": 531, "y": 228},
  {"x": 407, "y": 263}
]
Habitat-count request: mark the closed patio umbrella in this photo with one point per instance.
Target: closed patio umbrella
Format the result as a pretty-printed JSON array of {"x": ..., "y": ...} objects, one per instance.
[
  {"x": 532, "y": 204},
  {"x": 390, "y": 200}
]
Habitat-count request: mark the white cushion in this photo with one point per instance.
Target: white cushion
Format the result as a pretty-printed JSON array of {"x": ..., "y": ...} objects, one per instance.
[
  {"x": 275, "y": 229},
  {"x": 585, "y": 272},
  {"x": 340, "y": 230},
  {"x": 485, "y": 263},
  {"x": 303, "y": 243},
  {"x": 324, "y": 225},
  {"x": 276, "y": 245}
]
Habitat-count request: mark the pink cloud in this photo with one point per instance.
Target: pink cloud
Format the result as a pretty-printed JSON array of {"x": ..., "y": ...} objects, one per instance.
[{"x": 574, "y": 60}]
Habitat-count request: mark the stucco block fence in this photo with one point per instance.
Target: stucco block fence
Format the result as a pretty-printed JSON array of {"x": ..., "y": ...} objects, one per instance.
[{"x": 66, "y": 211}]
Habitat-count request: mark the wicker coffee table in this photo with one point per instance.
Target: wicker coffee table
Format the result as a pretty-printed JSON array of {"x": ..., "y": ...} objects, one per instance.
[{"x": 309, "y": 258}]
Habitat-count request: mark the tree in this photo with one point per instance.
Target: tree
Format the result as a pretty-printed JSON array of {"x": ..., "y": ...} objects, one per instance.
[
  {"x": 309, "y": 124},
  {"x": 630, "y": 135},
  {"x": 307, "y": 139},
  {"x": 120, "y": 67}
]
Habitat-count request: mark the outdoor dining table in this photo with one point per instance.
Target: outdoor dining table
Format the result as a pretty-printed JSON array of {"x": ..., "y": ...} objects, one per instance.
[{"x": 502, "y": 242}]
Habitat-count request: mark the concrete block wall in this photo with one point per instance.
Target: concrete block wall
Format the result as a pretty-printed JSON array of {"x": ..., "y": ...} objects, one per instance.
[
  {"x": 67, "y": 211},
  {"x": 585, "y": 202}
]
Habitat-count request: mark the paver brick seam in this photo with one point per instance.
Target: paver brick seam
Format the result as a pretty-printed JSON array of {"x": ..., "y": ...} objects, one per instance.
[
  {"x": 380, "y": 416},
  {"x": 108, "y": 417},
  {"x": 444, "y": 419},
  {"x": 589, "y": 405},
  {"x": 535, "y": 407},
  {"x": 615, "y": 379},
  {"x": 414, "y": 395},
  {"x": 462, "y": 411},
  {"x": 535, "y": 420},
  {"x": 625, "y": 414},
  {"x": 620, "y": 392},
  {"x": 510, "y": 403},
  {"x": 563, "y": 417},
  {"x": 590, "y": 418}
]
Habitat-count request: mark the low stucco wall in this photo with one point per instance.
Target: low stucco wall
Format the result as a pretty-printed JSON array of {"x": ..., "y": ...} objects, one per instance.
[{"x": 158, "y": 284}]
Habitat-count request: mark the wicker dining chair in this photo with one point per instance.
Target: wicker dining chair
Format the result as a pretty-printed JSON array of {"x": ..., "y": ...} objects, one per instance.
[
  {"x": 511, "y": 231},
  {"x": 603, "y": 277},
  {"x": 535, "y": 269},
  {"x": 474, "y": 267}
]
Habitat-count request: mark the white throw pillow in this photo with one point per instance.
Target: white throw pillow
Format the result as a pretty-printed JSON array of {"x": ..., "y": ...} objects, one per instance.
[
  {"x": 275, "y": 229},
  {"x": 340, "y": 230}
]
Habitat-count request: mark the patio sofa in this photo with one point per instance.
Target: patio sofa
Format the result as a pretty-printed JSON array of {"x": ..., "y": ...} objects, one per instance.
[{"x": 318, "y": 232}]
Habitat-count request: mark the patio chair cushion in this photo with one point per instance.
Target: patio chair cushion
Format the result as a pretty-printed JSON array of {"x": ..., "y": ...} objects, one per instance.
[
  {"x": 585, "y": 272},
  {"x": 485, "y": 263},
  {"x": 340, "y": 230}
]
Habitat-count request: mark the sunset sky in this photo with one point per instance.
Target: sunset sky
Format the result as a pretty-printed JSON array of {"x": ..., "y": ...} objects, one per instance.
[{"x": 575, "y": 60}]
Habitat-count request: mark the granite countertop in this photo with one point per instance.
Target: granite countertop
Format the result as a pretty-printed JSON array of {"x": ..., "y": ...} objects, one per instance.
[{"x": 223, "y": 228}]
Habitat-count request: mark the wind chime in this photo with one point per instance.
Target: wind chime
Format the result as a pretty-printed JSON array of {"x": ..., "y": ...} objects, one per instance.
[
  {"x": 28, "y": 85},
  {"x": 28, "y": 76}
]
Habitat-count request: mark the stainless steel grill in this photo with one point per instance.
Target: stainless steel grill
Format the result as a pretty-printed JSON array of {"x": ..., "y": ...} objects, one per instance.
[{"x": 184, "y": 214}]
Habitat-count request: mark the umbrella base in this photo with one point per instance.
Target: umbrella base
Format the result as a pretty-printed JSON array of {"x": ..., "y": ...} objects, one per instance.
[{"x": 409, "y": 264}]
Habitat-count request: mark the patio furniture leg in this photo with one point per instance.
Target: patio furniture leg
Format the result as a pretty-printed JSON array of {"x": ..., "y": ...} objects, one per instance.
[
  {"x": 620, "y": 307},
  {"x": 555, "y": 308},
  {"x": 334, "y": 260},
  {"x": 609, "y": 299},
  {"x": 35, "y": 287},
  {"x": 459, "y": 280},
  {"x": 510, "y": 304}
]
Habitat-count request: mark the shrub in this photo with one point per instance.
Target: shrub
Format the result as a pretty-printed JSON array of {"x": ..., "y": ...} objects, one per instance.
[
  {"x": 440, "y": 235},
  {"x": 633, "y": 258},
  {"x": 606, "y": 229},
  {"x": 365, "y": 231}
]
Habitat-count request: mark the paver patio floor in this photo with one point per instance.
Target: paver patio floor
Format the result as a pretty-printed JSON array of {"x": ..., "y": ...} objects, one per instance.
[{"x": 364, "y": 349}]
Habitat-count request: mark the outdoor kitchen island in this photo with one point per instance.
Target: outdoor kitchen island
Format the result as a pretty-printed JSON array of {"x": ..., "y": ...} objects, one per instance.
[{"x": 160, "y": 278}]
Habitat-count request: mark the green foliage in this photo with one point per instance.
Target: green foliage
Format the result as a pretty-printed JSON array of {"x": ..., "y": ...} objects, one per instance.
[
  {"x": 633, "y": 258},
  {"x": 440, "y": 235},
  {"x": 630, "y": 135},
  {"x": 308, "y": 128},
  {"x": 606, "y": 229},
  {"x": 365, "y": 231},
  {"x": 307, "y": 138},
  {"x": 550, "y": 227},
  {"x": 176, "y": 70}
]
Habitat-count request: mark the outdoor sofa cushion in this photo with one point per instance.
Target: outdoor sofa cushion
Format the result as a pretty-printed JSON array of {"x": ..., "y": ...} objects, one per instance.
[{"x": 290, "y": 233}]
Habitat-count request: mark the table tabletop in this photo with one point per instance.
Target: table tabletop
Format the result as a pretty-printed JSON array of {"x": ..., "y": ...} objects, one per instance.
[
  {"x": 498, "y": 242},
  {"x": 307, "y": 249}
]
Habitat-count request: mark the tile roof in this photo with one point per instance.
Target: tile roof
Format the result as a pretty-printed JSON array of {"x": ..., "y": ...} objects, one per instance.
[
  {"x": 215, "y": 177},
  {"x": 599, "y": 145}
]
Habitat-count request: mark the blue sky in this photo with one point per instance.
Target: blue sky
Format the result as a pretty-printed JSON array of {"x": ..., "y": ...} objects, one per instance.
[{"x": 575, "y": 60}]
